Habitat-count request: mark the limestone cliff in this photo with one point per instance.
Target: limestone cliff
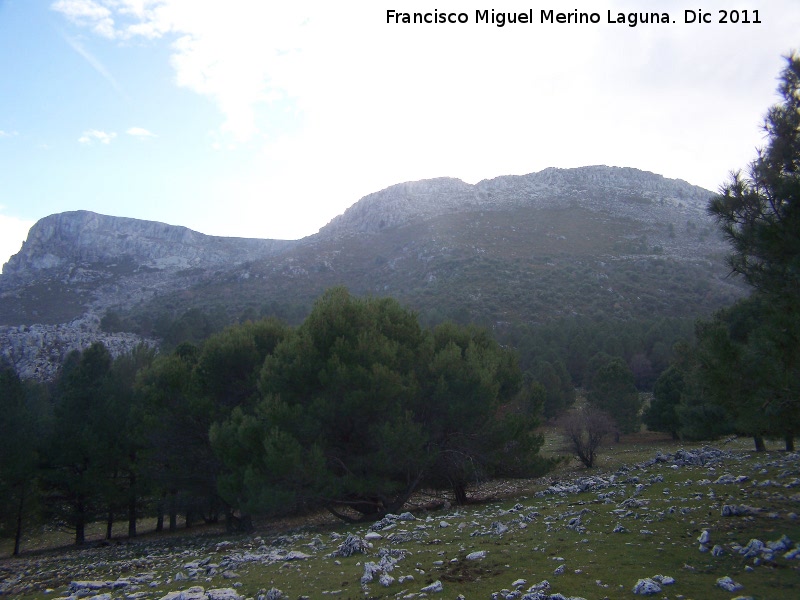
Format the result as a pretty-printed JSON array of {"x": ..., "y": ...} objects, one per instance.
[{"x": 87, "y": 237}]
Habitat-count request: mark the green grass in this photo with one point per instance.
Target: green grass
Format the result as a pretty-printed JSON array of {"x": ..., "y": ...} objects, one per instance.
[{"x": 528, "y": 550}]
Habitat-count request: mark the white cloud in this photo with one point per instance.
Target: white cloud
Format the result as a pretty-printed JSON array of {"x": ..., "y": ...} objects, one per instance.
[
  {"x": 240, "y": 53},
  {"x": 141, "y": 133},
  {"x": 7, "y": 133},
  {"x": 94, "y": 135},
  {"x": 13, "y": 232},
  {"x": 337, "y": 103},
  {"x": 88, "y": 13}
]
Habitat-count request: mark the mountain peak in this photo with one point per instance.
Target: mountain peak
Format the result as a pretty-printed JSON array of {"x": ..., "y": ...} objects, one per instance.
[{"x": 405, "y": 202}]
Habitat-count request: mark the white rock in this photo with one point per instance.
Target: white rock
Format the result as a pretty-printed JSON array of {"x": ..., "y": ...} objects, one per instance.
[
  {"x": 435, "y": 587},
  {"x": 728, "y": 584},
  {"x": 646, "y": 587}
]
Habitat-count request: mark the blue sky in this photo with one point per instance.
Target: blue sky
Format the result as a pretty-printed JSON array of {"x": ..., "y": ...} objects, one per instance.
[{"x": 256, "y": 118}]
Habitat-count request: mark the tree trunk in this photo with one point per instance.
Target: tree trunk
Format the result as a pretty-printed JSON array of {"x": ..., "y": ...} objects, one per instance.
[
  {"x": 759, "y": 442},
  {"x": 160, "y": 516},
  {"x": 173, "y": 512},
  {"x": 132, "y": 518},
  {"x": 789, "y": 442},
  {"x": 18, "y": 533},
  {"x": 132, "y": 505},
  {"x": 460, "y": 493},
  {"x": 109, "y": 523},
  {"x": 80, "y": 528},
  {"x": 238, "y": 524}
]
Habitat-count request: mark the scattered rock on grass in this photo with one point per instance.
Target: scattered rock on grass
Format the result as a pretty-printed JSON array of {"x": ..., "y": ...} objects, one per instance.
[
  {"x": 435, "y": 587},
  {"x": 728, "y": 584},
  {"x": 646, "y": 587},
  {"x": 351, "y": 545}
]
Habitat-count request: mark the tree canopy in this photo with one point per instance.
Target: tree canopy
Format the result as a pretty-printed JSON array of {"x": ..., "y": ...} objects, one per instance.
[{"x": 360, "y": 405}]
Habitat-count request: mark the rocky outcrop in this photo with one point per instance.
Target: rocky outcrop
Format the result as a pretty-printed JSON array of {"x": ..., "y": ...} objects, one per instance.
[
  {"x": 623, "y": 191},
  {"x": 403, "y": 202},
  {"x": 37, "y": 351},
  {"x": 87, "y": 237}
]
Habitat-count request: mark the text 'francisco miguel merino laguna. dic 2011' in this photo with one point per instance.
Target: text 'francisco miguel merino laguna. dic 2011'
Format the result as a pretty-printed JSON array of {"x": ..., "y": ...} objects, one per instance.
[{"x": 551, "y": 17}]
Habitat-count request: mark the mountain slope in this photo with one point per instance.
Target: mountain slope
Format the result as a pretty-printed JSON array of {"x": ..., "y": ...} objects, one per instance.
[{"x": 601, "y": 242}]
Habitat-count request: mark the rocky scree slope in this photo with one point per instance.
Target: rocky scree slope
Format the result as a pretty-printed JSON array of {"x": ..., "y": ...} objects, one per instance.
[{"x": 597, "y": 241}]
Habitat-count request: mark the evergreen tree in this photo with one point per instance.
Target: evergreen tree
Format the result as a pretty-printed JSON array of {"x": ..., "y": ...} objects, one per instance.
[
  {"x": 359, "y": 406},
  {"x": 760, "y": 216},
  {"x": 557, "y": 383},
  {"x": 177, "y": 418},
  {"x": 125, "y": 438},
  {"x": 613, "y": 391},
  {"x": 22, "y": 421},
  {"x": 741, "y": 366},
  {"x": 662, "y": 414},
  {"x": 759, "y": 213},
  {"x": 76, "y": 455},
  {"x": 478, "y": 416}
]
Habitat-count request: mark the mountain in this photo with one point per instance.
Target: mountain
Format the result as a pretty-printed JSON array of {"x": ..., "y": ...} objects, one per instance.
[{"x": 600, "y": 242}]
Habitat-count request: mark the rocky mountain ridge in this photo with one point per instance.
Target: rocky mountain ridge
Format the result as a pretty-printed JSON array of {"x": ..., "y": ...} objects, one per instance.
[
  {"x": 586, "y": 186},
  {"x": 87, "y": 237},
  {"x": 603, "y": 242}
]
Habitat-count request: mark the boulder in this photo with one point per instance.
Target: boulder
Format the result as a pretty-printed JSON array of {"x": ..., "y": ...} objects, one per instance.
[
  {"x": 351, "y": 545},
  {"x": 646, "y": 587},
  {"x": 435, "y": 587},
  {"x": 728, "y": 584}
]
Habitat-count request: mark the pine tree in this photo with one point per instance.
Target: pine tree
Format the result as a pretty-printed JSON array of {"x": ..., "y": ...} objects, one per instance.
[
  {"x": 759, "y": 213},
  {"x": 760, "y": 216}
]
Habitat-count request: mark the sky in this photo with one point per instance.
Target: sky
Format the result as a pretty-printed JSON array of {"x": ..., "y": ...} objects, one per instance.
[{"x": 256, "y": 118}]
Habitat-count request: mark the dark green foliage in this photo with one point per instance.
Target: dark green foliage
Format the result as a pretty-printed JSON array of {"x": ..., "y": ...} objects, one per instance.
[
  {"x": 612, "y": 390},
  {"x": 230, "y": 361},
  {"x": 92, "y": 456},
  {"x": 360, "y": 405},
  {"x": 745, "y": 365},
  {"x": 76, "y": 455},
  {"x": 662, "y": 414},
  {"x": 474, "y": 406},
  {"x": 759, "y": 214},
  {"x": 748, "y": 356},
  {"x": 559, "y": 392},
  {"x": 645, "y": 345},
  {"x": 180, "y": 466},
  {"x": 352, "y": 411},
  {"x": 23, "y": 418},
  {"x": 193, "y": 325},
  {"x": 335, "y": 395},
  {"x": 124, "y": 437}
]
